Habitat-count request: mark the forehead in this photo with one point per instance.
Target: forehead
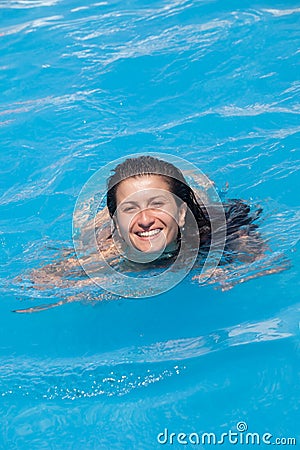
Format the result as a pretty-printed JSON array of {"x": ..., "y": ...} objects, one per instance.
[{"x": 142, "y": 186}]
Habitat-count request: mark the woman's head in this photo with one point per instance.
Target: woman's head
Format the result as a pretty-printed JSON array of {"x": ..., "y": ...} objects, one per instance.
[{"x": 150, "y": 202}]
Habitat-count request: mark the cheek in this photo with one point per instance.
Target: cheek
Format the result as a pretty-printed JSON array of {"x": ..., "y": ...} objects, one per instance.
[
  {"x": 123, "y": 223},
  {"x": 170, "y": 215},
  {"x": 170, "y": 220}
]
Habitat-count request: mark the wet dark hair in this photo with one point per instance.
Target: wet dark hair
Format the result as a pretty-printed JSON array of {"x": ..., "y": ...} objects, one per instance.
[{"x": 148, "y": 165}]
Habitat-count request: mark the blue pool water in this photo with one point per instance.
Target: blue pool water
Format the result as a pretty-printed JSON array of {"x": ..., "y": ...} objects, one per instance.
[{"x": 83, "y": 84}]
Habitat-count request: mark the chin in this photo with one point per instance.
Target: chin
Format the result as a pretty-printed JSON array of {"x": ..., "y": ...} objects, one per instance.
[{"x": 147, "y": 247}]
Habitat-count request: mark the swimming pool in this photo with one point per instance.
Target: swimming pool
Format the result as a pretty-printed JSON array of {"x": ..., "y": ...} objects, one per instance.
[{"x": 213, "y": 82}]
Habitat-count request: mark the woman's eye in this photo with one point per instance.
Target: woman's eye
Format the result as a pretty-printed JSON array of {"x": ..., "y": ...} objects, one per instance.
[
  {"x": 129, "y": 209},
  {"x": 157, "y": 204}
]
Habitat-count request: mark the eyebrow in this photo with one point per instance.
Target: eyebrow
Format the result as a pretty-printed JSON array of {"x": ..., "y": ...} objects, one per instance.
[{"x": 150, "y": 200}]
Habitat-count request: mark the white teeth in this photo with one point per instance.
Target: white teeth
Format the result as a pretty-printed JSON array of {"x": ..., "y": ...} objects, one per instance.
[{"x": 149, "y": 233}]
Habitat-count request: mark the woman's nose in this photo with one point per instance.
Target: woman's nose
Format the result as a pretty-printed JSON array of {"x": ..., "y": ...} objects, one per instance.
[{"x": 145, "y": 219}]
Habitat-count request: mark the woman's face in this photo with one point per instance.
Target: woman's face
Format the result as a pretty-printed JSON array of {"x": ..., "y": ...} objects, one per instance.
[{"x": 147, "y": 216}]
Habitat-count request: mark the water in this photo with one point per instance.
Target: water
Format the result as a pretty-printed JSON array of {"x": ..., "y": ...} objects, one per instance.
[{"x": 83, "y": 84}]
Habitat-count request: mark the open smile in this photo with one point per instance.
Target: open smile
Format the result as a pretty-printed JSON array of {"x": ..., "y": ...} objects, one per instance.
[{"x": 150, "y": 234}]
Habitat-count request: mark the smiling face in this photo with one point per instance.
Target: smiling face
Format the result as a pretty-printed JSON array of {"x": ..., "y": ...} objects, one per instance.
[{"x": 147, "y": 215}]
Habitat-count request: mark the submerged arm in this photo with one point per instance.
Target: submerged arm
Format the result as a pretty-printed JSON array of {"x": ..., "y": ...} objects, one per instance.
[{"x": 247, "y": 254}]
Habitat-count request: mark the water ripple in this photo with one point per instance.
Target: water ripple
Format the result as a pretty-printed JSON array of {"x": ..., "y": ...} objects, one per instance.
[
  {"x": 30, "y": 26},
  {"x": 24, "y": 4},
  {"x": 282, "y": 12},
  {"x": 110, "y": 374}
]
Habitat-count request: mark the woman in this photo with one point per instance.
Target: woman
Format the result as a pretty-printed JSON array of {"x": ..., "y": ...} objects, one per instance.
[
  {"x": 151, "y": 204},
  {"x": 151, "y": 214},
  {"x": 152, "y": 208}
]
